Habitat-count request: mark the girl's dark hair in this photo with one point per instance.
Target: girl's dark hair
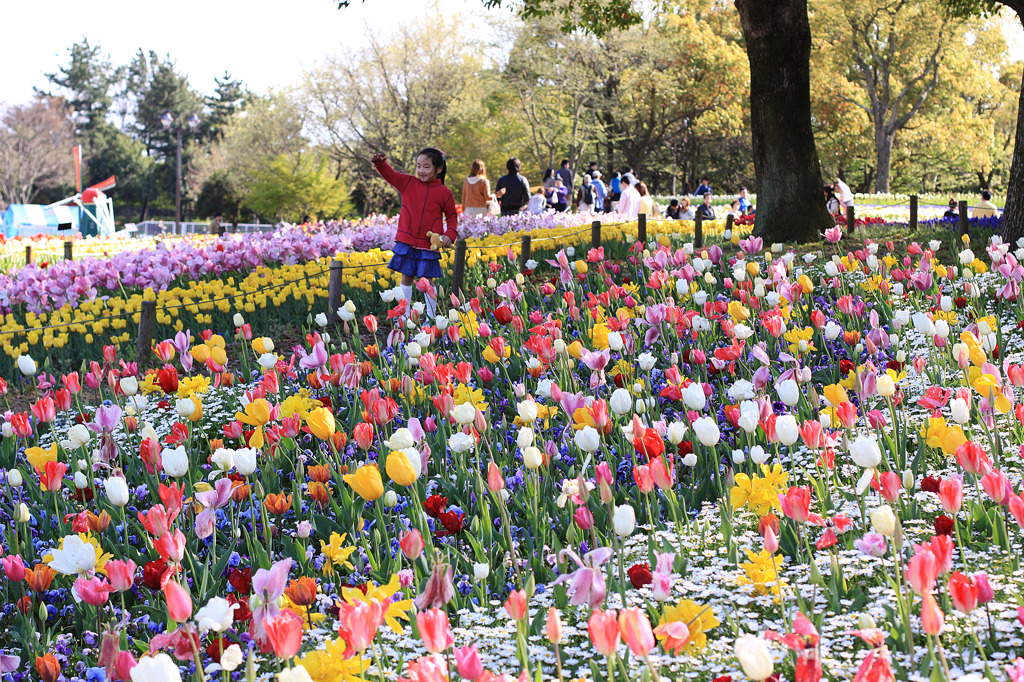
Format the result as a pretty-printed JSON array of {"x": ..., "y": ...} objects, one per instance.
[
  {"x": 513, "y": 165},
  {"x": 437, "y": 158},
  {"x": 549, "y": 173}
]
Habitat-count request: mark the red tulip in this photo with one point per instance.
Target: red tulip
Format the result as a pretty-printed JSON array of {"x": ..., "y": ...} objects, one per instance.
[
  {"x": 363, "y": 434},
  {"x": 796, "y": 503},
  {"x": 412, "y": 545},
  {"x": 284, "y": 633},
  {"x": 951, "y": 494},
  {"x": 963, "y": 592},
  {"x": 52, "y": 477},
  {"x": 179, "y": 603},
  {"x": 44, "y": 410}
]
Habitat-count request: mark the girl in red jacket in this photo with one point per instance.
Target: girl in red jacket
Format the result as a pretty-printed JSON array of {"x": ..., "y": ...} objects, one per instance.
[{"x": 427, "y": 206}]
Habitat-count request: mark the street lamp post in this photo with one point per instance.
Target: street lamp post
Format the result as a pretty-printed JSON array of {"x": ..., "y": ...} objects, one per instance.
[{"x": 167, "y": 120}]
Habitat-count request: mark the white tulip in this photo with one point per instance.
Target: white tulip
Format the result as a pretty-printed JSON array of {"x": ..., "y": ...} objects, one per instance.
[
  {"x": 174, "y": 461},
  {"x": 832, "y": 331},
  {"x": 481, "y": 571},
  {"x": 400, "y": 439},
  {"x": 624, "y": 520},
  {"x": 646, "y": 361},
  {"x": 79, "y": 435},
  {"x": 615, "y": 341},
  {"x": 527, "y": 410},
  {"x": 706, "y": 429},
  {"x": 117, "y": 491},
  {"x": 786, "y": 429},
  {"x": 223, "y": 458},
  {"x": 267, "y": 361},
  {"x": 184, "y": 407},
  {"x": 14, "y": 478},
  {"x": 588, "y": 439},
  {"x": 693, "y": 396},
  {"x": 238, "y": 320},
  {"x": 159, "y": 668},
  {"x": 755, "y": 658},
  {"x": 750, "y": 416},
  {"x": 532, "y": 457},
  {"x": 524, "y": 438},
  {"x": 245, "y": 461},
  {"x": 865, "y": 452},
  {"x": 81, "y": 482},
  {"x": 740, "y": 390},
  {"x": 26, "y": 365},
  {"x": 461, "y": 443},
  {"x": 129, "y": 386},
  {"x": 465, "y": 413},
  {"x": 218, "y": 615},
  {"x": 390, "y": 499},
  {"x": 757, "y": 455},
  {"x": 885, "y": 386},
  {"x": 676, "y": 432},
  {"x": 621, "y": 401},
  {"x": 884, "y": 521},
  {"x": 231, "y": 658},
  {"x": 961, "y": 411},
  {"x": 942, "y": 328},
  {"x": 788, "y": 392},
  {"x": 738, "y": 457},
  {"x": 413, "y": 350},
  {"x": 321, "y": 319}
]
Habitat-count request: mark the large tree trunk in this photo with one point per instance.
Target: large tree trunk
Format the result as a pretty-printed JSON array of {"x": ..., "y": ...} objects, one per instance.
[
  {"x": 790, "y": 205},
  {"x": 883, "y": 150},
  {"x": 1013, "y": 212}
]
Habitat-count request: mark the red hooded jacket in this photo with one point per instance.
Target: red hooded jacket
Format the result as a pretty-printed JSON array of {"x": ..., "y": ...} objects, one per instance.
[{"x": 426, "y": 207}]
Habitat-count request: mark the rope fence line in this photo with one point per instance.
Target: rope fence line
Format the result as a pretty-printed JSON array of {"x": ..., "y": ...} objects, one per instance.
[{"x": 305, "y": 277}]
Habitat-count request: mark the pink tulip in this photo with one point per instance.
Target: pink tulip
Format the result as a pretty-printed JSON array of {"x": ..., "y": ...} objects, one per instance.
[
  {"x": 468, "y": 663},
  {"x": 495, "y": 481},
  {"x": 14, "y": 567},
  {"x": 951, "y": 494},
  {"x": 604, "y": 631},
  {"x": 121, "y": 574},
  {"x": 179, "y": 603},
  {"x": 922, "y": 570},
  {"x": 94, "y": 591},
  {"x": 516, "y": 605},
  {"x": 412, "y": 545},
  {"x": 434, "y": 630},
  {"x": 932, "y": 618},
  {"x": 636, "y": 630}
]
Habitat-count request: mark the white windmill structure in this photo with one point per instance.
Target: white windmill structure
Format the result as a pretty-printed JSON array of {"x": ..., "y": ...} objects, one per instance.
[{"x": 93, "y": 203}]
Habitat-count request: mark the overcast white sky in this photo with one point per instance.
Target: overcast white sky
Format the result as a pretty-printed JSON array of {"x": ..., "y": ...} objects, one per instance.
[{"x": 264, "y": 43}]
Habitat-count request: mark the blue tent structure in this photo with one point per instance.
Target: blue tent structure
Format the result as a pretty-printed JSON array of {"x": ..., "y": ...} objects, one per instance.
[{"x": 26, "y": 220}]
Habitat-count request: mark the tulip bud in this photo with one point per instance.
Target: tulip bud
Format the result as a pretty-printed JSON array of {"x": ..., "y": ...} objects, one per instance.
[
  {"x": 23, "y": 515},
  {"x": 553, "y": 627},
  {"x": 884, "y": 521},
  {"x": 14, "y": 478},
  {"x": 866, "y": 622},
  {"x": 390, "y": 499}
]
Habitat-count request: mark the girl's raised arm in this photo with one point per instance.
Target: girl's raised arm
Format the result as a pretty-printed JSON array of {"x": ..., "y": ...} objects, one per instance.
[{"x": 397, "y": 180}]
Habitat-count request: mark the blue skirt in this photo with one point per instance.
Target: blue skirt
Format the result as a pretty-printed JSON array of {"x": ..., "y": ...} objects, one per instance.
[{"x": 414, "y": 262}]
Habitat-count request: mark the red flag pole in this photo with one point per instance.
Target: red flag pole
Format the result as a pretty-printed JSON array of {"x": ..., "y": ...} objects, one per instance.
[{"x": 77, "y": 152}]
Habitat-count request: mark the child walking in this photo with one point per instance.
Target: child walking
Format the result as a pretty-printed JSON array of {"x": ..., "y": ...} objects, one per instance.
[{"x": 427, "y": 206}]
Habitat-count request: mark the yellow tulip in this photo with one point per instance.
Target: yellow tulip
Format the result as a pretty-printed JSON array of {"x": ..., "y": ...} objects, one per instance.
[
  {"x": 366, "y": 482},
  {"x": 400, "y": 469},
  {"x": 738, "y": 312},
  {"x": 805, "y": 283},
  {"x": 576, "y": 349},
  {"x": 38, "y": 457},
  {"x": 835, "y": 394},
  {"x": 257, "y": 413},
  {"x": 197, "y": 413},
  {"x": 219, "y": 356},
  {"x": 321, "y": 423},
  {"x": 201, "y": 353}
]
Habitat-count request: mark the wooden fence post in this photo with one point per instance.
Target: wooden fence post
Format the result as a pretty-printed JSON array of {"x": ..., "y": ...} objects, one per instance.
[
  {"x": 698, "y": 231},
  {"x": 68, "y": 251},
  {"x": 334, "y": 289},
  {"x": 641, "y": 228},
  {"x": 962, "y": 223},
  {"x": 524, "y": 252},
  {"x": 147, "y": 326},
  {"x": 851, "y": 220},
  {"x": 595, "y": 235},
  {"x": 28, "y": 255},
  {"x": 459, "y": 268},
  {"x": 913, "y": 212}
]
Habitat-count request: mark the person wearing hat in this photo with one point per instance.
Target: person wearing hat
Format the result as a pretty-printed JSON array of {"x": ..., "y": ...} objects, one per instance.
[{"x": 600, "y": 191}]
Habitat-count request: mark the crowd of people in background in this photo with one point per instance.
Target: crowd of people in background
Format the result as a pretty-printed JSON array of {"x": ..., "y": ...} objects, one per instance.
[{"x": 559, "y": 191}]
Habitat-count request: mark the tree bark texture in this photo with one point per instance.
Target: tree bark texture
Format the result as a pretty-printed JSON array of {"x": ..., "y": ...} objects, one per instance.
[
  {"x": 790, "y": 204},
  {"x": 1013, "y": 212}
]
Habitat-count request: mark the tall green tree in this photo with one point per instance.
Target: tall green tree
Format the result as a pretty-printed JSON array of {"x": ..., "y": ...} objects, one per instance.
[
  {"x": 229, "y": 97},
  {"x": 86, "y": 83}
]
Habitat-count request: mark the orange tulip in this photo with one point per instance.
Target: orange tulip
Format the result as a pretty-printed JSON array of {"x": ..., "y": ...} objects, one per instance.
[
  {"x": 277, "y": 504},
  {"x": 302, "y": 591}
]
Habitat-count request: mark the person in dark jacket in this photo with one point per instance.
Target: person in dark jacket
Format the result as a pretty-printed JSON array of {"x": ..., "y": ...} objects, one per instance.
[
  {"x": 706, "y": 211},
  {"x": 513, "y": 189},
  {"x": 566, "y": 176}
]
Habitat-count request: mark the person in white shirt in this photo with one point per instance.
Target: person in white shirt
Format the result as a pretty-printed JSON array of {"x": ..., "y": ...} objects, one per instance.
[
  {"x": 629, "y": 201},
  {"x": 845, "y": 195},
  {"x": 538, "y": 204}
]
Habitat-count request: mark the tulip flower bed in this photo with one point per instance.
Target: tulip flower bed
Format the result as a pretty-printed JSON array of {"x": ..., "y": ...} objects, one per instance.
[
  {"x": 628, "y": 463},
  {"x": 63, "y": 310}
]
